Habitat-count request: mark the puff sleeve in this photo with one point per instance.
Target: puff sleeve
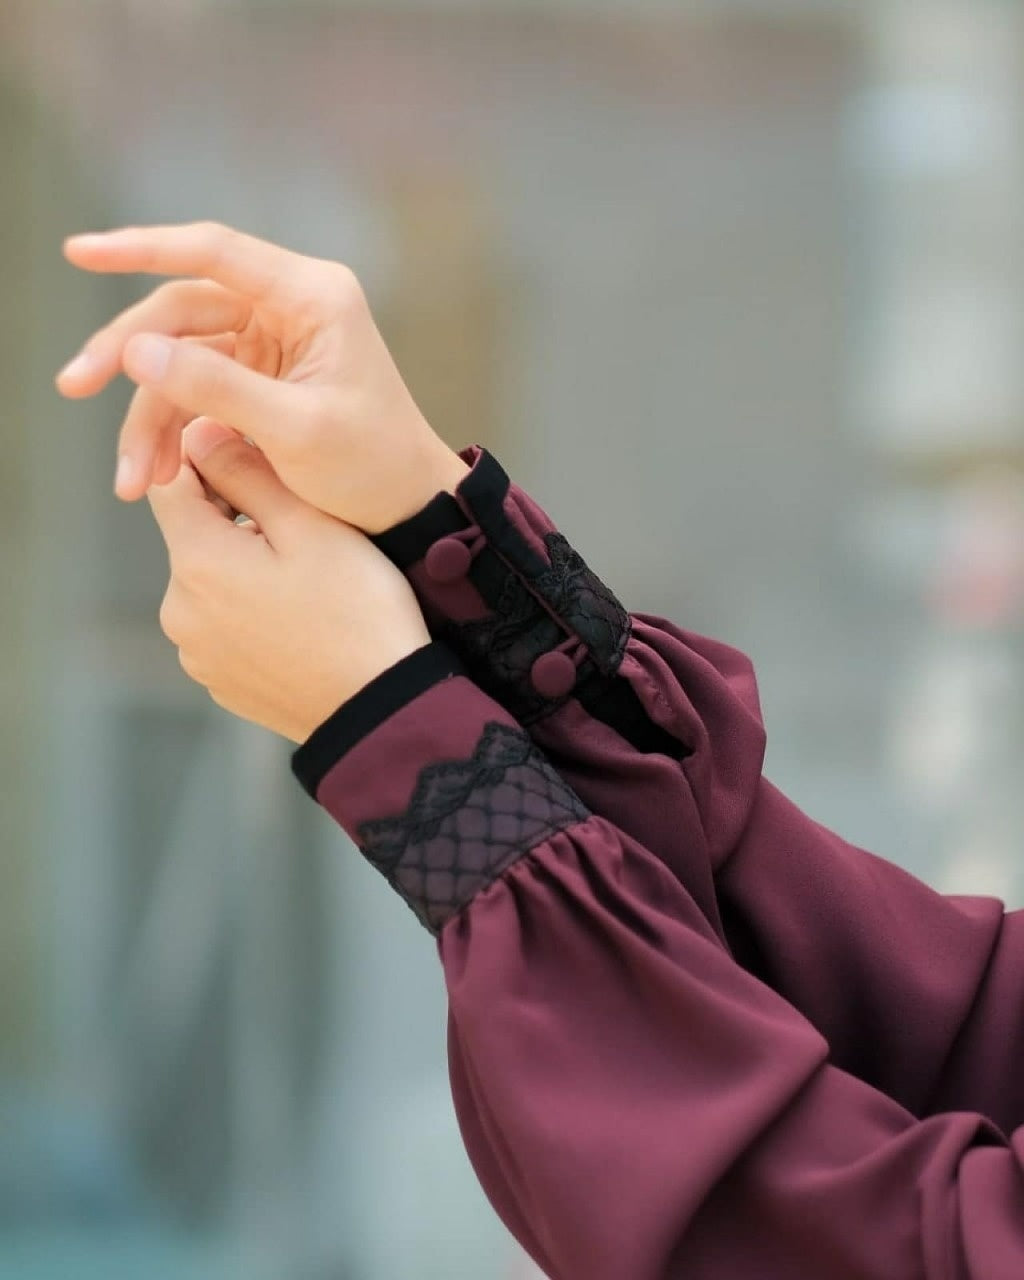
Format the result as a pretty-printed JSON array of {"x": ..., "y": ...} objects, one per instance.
[
  {"x": 658, "y": 729},
  {"x": 636, "y": 1104}
]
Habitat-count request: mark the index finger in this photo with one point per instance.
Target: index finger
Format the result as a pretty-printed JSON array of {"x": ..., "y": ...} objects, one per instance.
[{"x": 261, "y": 271}]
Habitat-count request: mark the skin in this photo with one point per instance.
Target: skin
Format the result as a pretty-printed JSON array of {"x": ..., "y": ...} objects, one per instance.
[
  {"x": 310, "y": 379},
  {"x": 284, "y": 618}
]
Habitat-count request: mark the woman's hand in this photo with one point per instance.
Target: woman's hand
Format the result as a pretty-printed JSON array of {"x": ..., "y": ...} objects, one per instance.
[
  {"x": 284, "y": 350},
  {"x": 284, "y": 619}
]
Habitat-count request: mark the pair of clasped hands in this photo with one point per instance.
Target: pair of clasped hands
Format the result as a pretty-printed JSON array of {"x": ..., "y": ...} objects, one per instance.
[{"x": 284, "y": 617}]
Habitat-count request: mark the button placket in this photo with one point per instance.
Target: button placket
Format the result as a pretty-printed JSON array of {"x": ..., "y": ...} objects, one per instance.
[
  {"x": 449, "y": 559},
  {"x": 553, "y": 674}
]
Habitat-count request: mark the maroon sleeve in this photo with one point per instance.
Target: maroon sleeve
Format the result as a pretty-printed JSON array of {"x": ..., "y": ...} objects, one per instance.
[
  {"x": 636, "y": 1104},
  {"x": 659, "y": 730}
]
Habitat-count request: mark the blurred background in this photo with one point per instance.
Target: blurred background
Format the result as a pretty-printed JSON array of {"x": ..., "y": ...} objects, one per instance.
[{"x": 735, "y": 289}]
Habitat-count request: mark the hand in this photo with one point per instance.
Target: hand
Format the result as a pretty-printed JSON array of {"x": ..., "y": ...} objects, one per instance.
[
  {"x": 310, "y": 379},
  {"x": 284, "y": 619}
]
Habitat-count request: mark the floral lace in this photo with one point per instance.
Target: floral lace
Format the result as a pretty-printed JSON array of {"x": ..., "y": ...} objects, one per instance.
[{"x": 500, "y": 650}]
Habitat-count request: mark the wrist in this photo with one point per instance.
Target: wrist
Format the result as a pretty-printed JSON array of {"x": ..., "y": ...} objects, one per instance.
[
  {"x": 351, "y": 682},
  {"x": 349, "y": 722},
  {"x": 441, "y": 470}
]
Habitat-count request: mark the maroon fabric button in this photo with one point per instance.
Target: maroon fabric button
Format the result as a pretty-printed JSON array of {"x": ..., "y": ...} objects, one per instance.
[
  {"x": 448, "y": 560},
  {"x": 553, "y": 675}
]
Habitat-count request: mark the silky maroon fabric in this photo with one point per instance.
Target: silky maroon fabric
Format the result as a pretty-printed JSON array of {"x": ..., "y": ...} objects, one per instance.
[
  {"x": 916, "y": 993},
  {"x": 692, "y": 1032},
  {"x": 637, "y": 1105}
]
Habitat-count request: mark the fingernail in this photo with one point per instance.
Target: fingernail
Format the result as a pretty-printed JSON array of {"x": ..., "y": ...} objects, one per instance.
[
  {"x": 126, "y": 473},
  {"x": 79, "y": 365},
  {"x": 201, "y": 438},
  {"x": 149, "y": 355}
]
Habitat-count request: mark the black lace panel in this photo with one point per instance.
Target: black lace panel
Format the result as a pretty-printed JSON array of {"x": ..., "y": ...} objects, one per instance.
[
  {"x": 500, "y": 650},
  {"x": 589, "y": 608},
  {"x": 467, "y": 821}
]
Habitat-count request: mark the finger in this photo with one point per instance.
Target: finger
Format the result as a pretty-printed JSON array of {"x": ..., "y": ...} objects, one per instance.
[
  {"x": 168, "y": 456},
  {"x": 263, "y": 272},
  {"x": 204, "y": 382},
  {"x": 182, "y": 307},
  {"x": 149, "y": 445},
  {"x": 224, "y": 507},
  {"x": 241, "y": 475},
  {"x": 206, "y": 424},
  {"x": 191, "y": 526}
]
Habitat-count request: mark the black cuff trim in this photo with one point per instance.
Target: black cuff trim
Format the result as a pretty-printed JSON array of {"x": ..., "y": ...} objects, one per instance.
[
  {"x": 369, "y": 708},
  {"x": 483, "y": 492},
  {"x": 406, "y": 543}
]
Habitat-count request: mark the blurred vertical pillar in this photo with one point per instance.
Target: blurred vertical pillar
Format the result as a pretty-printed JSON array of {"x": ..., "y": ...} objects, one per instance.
[
  {"x": 441, "y": 317},
  {"x": 940, "y": 148},
  {"x": 18, "y": 824},
  {"x": 51, "y": 939}
]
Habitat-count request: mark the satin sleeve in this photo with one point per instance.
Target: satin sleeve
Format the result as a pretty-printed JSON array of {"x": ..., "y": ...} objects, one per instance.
[
  {"x": 658, "y": 729},
  {"x": 636, "y": 1104}
]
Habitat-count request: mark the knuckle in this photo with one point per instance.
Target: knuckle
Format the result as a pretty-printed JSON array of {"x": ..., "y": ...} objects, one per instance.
[
  {"x": 318, "y": 421},
  {"x": 169, "y": 291},
  {"x": 214, "y": 238},
  {"x": 346, "y": 291},
  {"x": 176, "y": 300},
  {"x": 224, "y": 700},
  {"x": 190, "y": 665},
  {"x": 190, "y": 573},
  {"x": 211, "y": 378},
  {"x": 237, "y": 461},
  {"x": 210, "y": 229},
  {"x": 170, "y": 615},
  {"x": 152, "y": 310}
]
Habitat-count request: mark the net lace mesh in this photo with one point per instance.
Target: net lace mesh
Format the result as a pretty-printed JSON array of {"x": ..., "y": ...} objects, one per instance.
[{"x": 467, "y": 821}]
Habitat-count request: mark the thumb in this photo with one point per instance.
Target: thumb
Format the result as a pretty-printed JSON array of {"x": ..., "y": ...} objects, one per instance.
[{"x": 240, "y": 474}]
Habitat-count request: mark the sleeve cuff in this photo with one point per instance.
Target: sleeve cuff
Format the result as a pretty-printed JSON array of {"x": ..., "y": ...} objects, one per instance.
[
  {"x": 533, "y": 624},
  {"x": 406, "y": 543},
  {"x": 446, "y": 794},
  {"x": 369, "y": 708},
  {"x": 506, "y": 591}
]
